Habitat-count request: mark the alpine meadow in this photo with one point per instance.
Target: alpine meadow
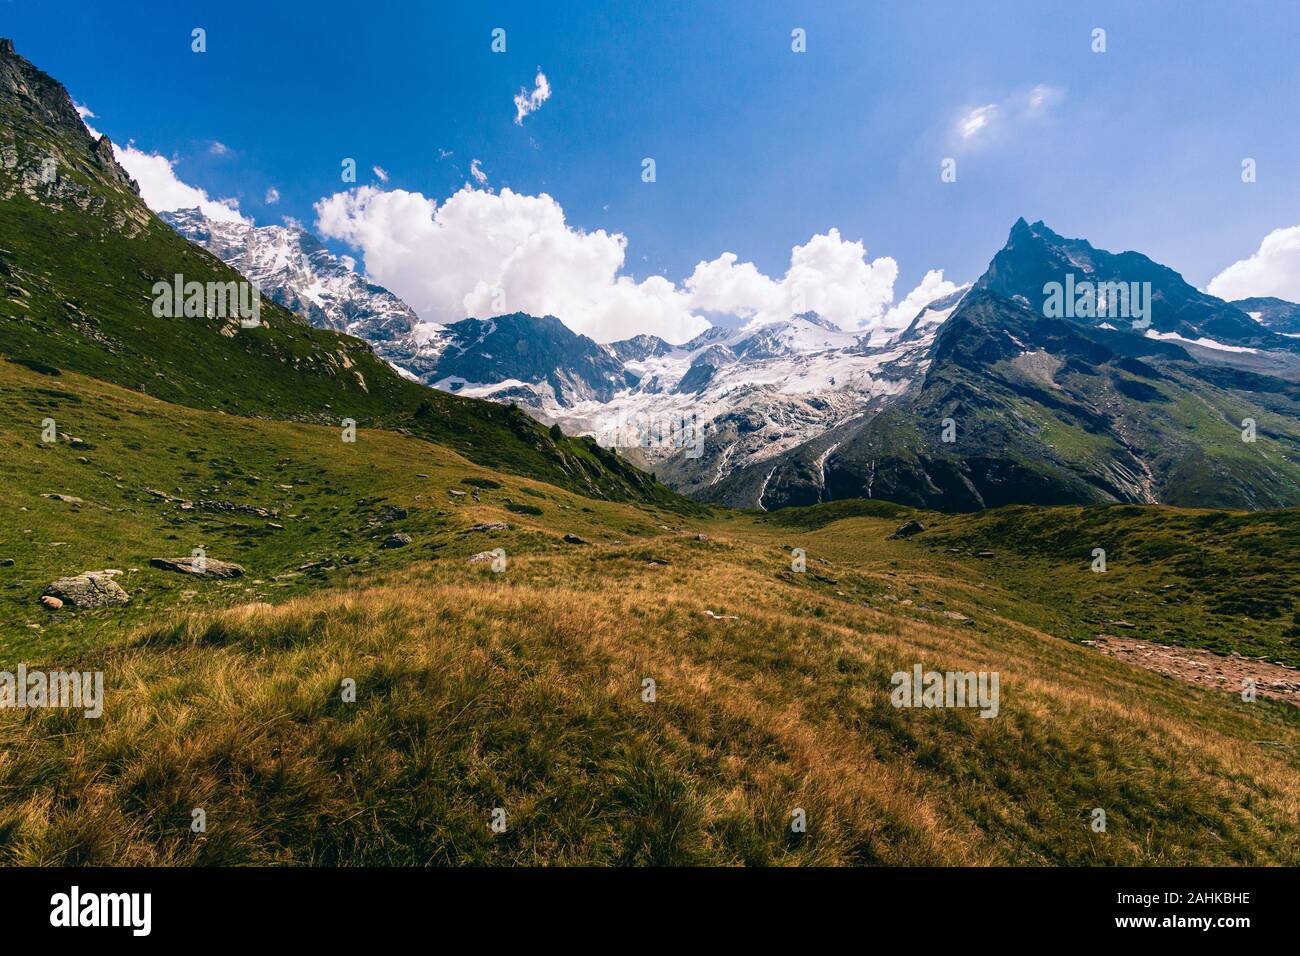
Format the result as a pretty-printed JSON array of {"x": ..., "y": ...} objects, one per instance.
[{"x": 565, "y": 449}]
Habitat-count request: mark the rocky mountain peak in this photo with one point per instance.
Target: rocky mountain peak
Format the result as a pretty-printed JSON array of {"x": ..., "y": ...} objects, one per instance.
[{"x": 35, "y": 91}]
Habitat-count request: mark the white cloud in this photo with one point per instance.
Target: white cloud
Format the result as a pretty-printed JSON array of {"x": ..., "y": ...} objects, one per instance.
[
  {"x": 476, "y": 170},
  {"x": 1273, "y": 270},
  {"x": 934, "y": 286},
  {"x": 272, "y": 196},
  {"x": 1042, "y": 98},
  {"x": 526, "y": 102},
  {"x": 160, "y": 188},
  {"x": 827, "y": 275},
  {"x": 381, "y": 173},
  {"x": 978, "y": 124},
  {"x": 976, "y": 119},
  {"x": 219, "y": 148},
  {"x": 481, "y": 254}
]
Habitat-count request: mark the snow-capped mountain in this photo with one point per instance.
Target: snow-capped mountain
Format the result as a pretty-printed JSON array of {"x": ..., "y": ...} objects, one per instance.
[
  {"x": 693, "y": 413},
  {"x": 294, "y": 269}
]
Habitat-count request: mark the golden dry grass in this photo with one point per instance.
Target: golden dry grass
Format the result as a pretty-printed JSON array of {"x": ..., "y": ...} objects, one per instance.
[{"x": 523, "y": 691}]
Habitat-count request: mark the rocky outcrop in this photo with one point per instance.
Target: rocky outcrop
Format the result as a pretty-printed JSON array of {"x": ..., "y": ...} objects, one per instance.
[
  {"x": 199, "y": 567},
  {"x": 89, "y": 589}
]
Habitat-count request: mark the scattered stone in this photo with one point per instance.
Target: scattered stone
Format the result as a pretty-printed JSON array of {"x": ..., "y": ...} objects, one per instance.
[
  {"x": 398, "y": 540},
  {"x": 721, "y": 617},
  {"x": 491, "y": 526},
  {"x": 275, "y": 526},
  {"x": 907, "y": 529},
  {"x": 230, "y": 507},
  {"x": 455, "y": 494},
  {"x": 482, "y": 556},
  {"x": 68, "y": 499},
  {"x": 1124, "y": 624},
  {"x": 51, "y": 602},
  {"x": 89, "y": 589},
  {"x": 574, "y": 539},
  {"x": 199, "y": 567},
  {"x": 6, "y": 562},
  {"x": 984, "y": 554},
  {"x": 701, "y": 537}
]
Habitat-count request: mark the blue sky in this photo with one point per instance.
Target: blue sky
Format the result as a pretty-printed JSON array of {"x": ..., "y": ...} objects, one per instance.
[{"x": 757, "y": 148}]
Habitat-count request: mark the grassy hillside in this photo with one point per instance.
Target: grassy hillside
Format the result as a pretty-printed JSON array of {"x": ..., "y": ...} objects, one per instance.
[
  {"x": 523, "y": 690},
  {"x": 1222, "y": 580},
  {"x": 79, "y": 256},
  {"x": 134, "y": 462}
]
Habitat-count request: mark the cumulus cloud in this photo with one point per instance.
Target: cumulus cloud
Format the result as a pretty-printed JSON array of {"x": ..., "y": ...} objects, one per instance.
[
  {"x": 1273, "y": 270},
  {"x": 933, "y": 287},
  {"x": 476, "y": 170},
  {"x": 526, "y": 102},
  {"x": 219, "y": 148},
  {"x": 160, "y": 188},
  {"x": 481, "y": 254},
  {"x": 827, "y": 275},
  {"x": 272, "y": 196}
]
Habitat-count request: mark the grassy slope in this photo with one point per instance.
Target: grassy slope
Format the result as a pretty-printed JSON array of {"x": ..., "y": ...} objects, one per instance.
[
  {"x": 336, "y": 508},
  {"x": 522, "y": 689},
  {"x": 78, "y": 261}
]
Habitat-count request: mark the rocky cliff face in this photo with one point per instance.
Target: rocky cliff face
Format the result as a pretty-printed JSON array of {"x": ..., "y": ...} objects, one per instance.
[{"x": 294, "y": 269}]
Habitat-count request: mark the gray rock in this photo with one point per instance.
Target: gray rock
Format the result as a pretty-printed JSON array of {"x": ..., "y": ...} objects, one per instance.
[
  {"x": 68, "y": 499},
  {"x": 199, "y": 567},
  {"x": 398, "y": 540},
  {"x": 574, "y": 539},
  {"x": 89, "y": 589},
  {"x": 907, "y": 529},
  {"x": 491, "y": 526}
]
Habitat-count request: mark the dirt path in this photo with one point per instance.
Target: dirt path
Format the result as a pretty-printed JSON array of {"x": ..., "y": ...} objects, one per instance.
[{"x": 1227, "y": 673}]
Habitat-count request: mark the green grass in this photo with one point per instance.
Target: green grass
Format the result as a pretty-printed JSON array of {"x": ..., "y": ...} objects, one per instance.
[{"x": 334, "y": 502}]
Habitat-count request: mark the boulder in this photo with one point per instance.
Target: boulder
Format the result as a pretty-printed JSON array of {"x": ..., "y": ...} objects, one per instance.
[
  {"x": 89, "y": 589},
  {"x": 398, "y": 540},
  {"x": 199, "y": 567},
  {"x": 67, "y": 499},
  {"x": 907, "y": 529},
  {"x": 491, "y": 526},
  {"x": 574, "y": 539}
]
